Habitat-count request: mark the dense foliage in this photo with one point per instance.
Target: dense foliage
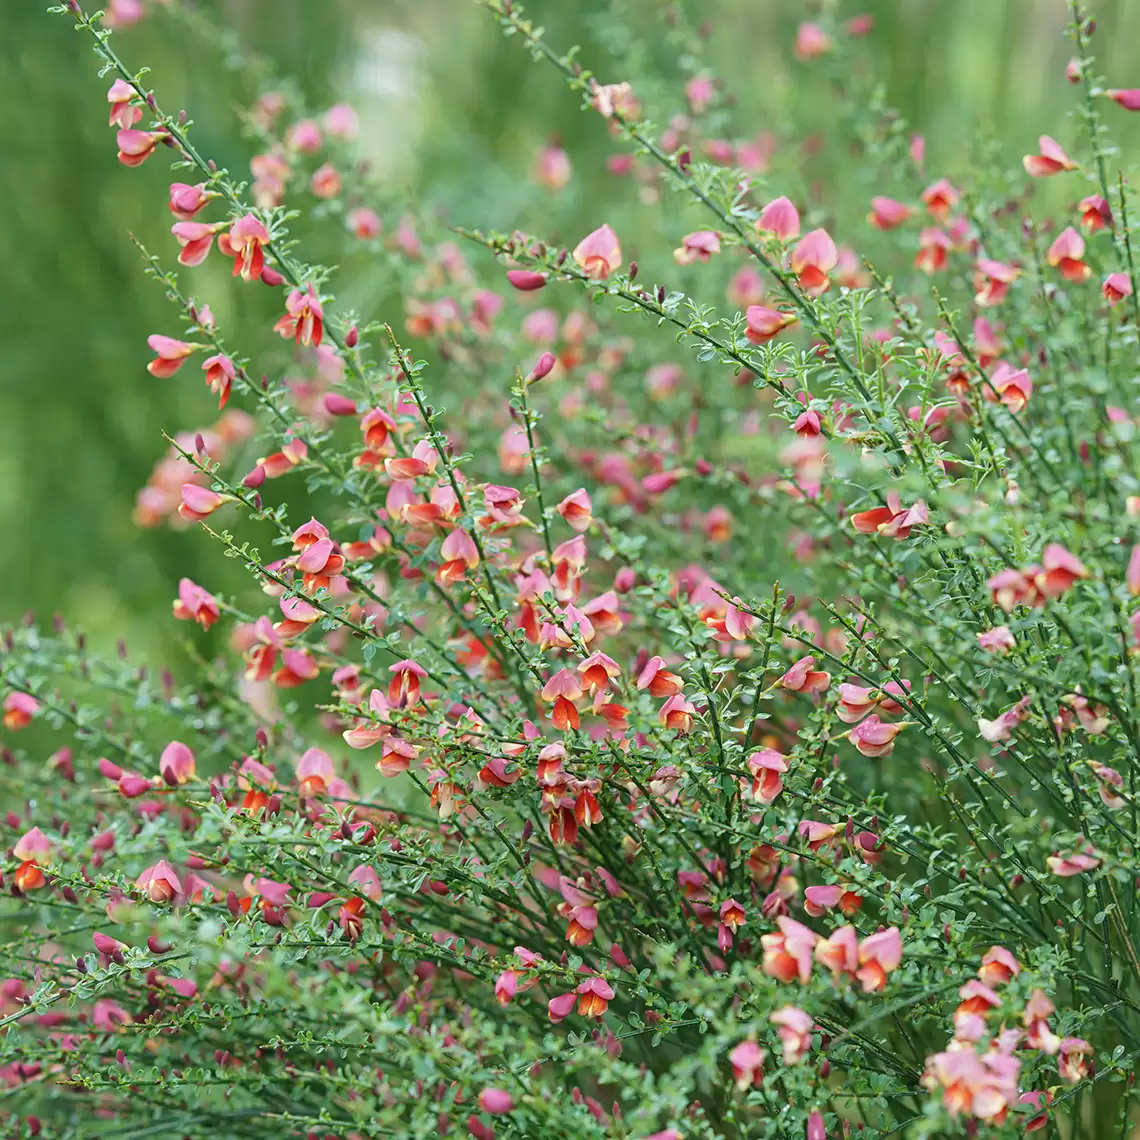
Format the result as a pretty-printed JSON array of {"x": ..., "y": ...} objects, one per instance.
[{"x": 702, "y": 701}]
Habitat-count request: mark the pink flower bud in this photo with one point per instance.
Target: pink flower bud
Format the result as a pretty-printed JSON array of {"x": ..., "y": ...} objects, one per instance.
[
  {"x": 337, "y": 405},
  {"x": 542, "y": 368},
  {"x": 496, "y": 1101},
  {"x": 255, "y": 478},
  {"x": 525, "y": 280},
  {"x": 108, "y": 770},
  {"x": 134, "y": 786},
  {"x": 352, "y": 337}
]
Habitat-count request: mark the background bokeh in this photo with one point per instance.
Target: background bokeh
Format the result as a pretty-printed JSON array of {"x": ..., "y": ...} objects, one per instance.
[{"x": 453, "y": 113}]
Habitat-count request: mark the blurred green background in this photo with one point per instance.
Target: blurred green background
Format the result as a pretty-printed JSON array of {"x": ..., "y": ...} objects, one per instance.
[{"x": 452, "y": 111}]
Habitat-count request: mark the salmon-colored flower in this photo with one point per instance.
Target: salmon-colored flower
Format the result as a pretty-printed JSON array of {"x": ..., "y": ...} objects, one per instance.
[
  {"x": 874, "y": 737},
  {"x": 1051, "y": 160},
  {"x": 1067, "y": 866},
  {"x": 997, "y": 640},
  {"x": 762, "y": 323},
  {"x": 803, "y": 677},
  {"x": 599, "y": 253},
  {"x": 893, "y": 520},
  {"x": 616, "y": 99},
  {"x": 1072, "y": 1063},
  {"x": 780, "y": 219},
  {"x": 404, "y": 688},
  {"x": 326, "y": 181},
  {"x": 200, "y": 502},
  {"x": 124, "y": 113},
  {"x": 811, "y": 41},
  {"x": 195, "y": 239},
  {"x": 459, "y": 554},
  {"x": 245, "y": 243},
  {"x": 767, "y": 767},
  {"x": 135, "y": 146},
  {"x": 747, "y": 1061},
  {"x": 992, "y": 281},
  {"x": 1116, "y": 287},
  {"x": 595, "y": 997},
  {"x": 169, "y": 355},
  {"x": 1095, "y": 213},
  {"x": 1066, "y": 253},
  {"x": 886, "y": 213},
  {"x": 934, "y": 247},
  {"x": 19, "y": 708},
  {"x": 220, "y": 372},
  {"x": 813, "y": 258},
  {"x": 159, "y": 883},
  {"x": 787, "y": 954},
  {"x": 552, "y": 168},
  {"x": 794, "y": 1027},
  {"x": 1009, "y": 386},
  {"x": 176, "y": 764},
  {"x": 998, "y": 966},
  {"x": 940, "y": 198},
  {"x": 186, "y": 201},
  {"x": 577, "y": 510},
  {"x": 697, "y": 246},
  {"x": 304, "y": 317}
]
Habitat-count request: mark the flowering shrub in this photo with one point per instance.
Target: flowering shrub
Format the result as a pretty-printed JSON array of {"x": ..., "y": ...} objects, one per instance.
[{"x": 738, "y": 747}]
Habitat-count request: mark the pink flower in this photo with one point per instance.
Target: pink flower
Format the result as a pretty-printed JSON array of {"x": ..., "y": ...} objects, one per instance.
[
  {"x": 788, "y": 954},
  {"x": 598, "y": 254},
  {"x": 616, "y": 99},
  {"x": 170, "y": 354},
  {"x": 872, "y": 737},
  {"x": 245, "y": 243},
  {"x": 159, "y": 883},
  {"x": 304, "y": 318},
  {"x": 526, "y": 280},
  {"x": 199, "y": 502},
  {"x": 1066, "y": 253},
  {"x": 886, "y": 213},
  {"x": 997, "y": 640},
  {"x": 1128, "y": 98},
  {"x": 552, "y": 168},
  {"x": 1095, "y": 213},
  {"x": 762, "y": 323},
  {"x": 811, "y": 41},
  {"x": 496, "y": 1102},
  {"x": 879, "y": 955},
  {"x": 364, "y": 223},
  {"x": 176, "y": 764},
  {"x": 186, "y": 201},
  {"x": 933, "y": 250},
  {"x": 780, "y": 219},
  {"x": 220, "y": 372},
  {"x": 767, "y": 767},
  {"x": 891, "y": 521},
  {"x": 998, "y": 966},
  {"x": 326, "y": 182},
  {"x": 1012, "y": 386},
  {"x": 577, "y": 510},
  {"x": 1051, "y": 160},
  {"x": 747, "y": 1061},
  {"x": 794, "y": 1028},
  {"x": 940, "y": 198},
  {"x": 802, "y": 677},
  {"x": 123, "y": 113},
  {"x": 698, "y": 246},
  {"x": 305, "y": 136},
  {"x": 813, "y": 258},
  {"x": 341, "y": 122},
  {"x": 992, "y": 281},
  {"x": 33, "y": 847},
  {"x": 595, "y": 996},
  {"x": 19, "y": 708},
  {"x": 1002, "y": 727},
  {"x": 196, "y": 240},
  {"x": 1067, "y": 866},
  {"x": 1071, "y": 1061},
  {"x": 135, "y": 147},
  {"x": 1116, "y": 287}
]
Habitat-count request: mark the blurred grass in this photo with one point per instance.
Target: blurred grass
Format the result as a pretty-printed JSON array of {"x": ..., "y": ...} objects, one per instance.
[{"x": 454, "y": 112}]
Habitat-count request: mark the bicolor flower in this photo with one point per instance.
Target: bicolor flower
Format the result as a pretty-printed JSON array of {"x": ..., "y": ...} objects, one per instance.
[
  {"x": 1051, "y": 160},
  {"x": 304, "y": 317},
  {"x": 135, "y": 146},
  {"x": 1066, "y": 253},
  {"x": 813, "y": 258},
  {"x": 762, "y": 323},
  {"x": 780, "y": 219},
  {"x": 169, "y": 355},
  {"x": 598, "y": 254},
  {"x": 245, "y": 242}
]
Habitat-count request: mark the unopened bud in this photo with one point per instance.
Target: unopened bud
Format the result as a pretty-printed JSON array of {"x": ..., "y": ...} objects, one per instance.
[
  {"x": 199, "y": 444},
  {"x": 338, "y": 405},
  {"x": 526, "y": 280},
  {"x": 542, "y": 368},
  {"x": 632, "y": 270},
  {"x": 255, "y": 478},
  {"x": 352, "y": 337},
  {"x": 271, "y": 277}
]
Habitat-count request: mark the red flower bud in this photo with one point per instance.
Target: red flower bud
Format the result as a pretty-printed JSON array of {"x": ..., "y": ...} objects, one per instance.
[
  {"x": 543, "y": 368},
  {"x": 255, "y": 478},
  {"x": 337, "y": 405}
]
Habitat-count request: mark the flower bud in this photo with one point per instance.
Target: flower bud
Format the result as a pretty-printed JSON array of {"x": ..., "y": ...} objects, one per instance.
[
  {"x": 337, "y": 405},
  {"x": 545, "y": 363},
  {"x": 526, "y": 280},
  {"x": 255, "y": 478},
  {"x": 272, "y": 277},
  {"x": 352, "y": 337}
]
